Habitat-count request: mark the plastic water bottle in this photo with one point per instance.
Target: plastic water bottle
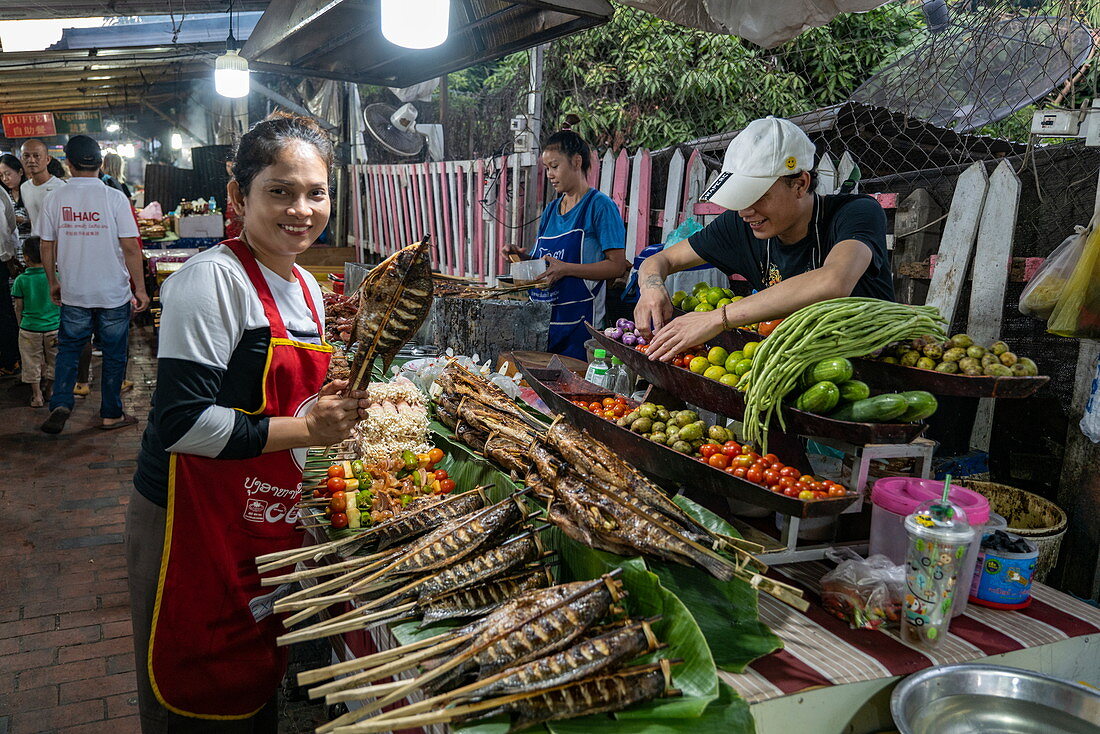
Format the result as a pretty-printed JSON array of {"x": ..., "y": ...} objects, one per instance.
[
  {"x": 622, "y": 381},
  {"x": 599, "y": 371}
]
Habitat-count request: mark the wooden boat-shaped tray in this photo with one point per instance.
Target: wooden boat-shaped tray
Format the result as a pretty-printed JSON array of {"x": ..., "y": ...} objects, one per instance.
[
  {"x": 558, "y": 387},
  {"x": 727, "y": 401},
  {"x": 886, "y": 377}
]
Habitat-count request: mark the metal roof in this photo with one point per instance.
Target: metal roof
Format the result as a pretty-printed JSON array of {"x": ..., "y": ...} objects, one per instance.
[{"x": 30, "y": 9}]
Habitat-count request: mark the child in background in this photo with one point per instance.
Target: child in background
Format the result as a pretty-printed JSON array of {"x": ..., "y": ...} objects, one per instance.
[{"x": 39, "y": 318}]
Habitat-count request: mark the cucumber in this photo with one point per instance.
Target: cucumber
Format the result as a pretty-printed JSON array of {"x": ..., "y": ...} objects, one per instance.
[
  {"x": 920, "y": 404},
  {"x": 820, "y": 398},
  {"x": 879, "y": 409},
  {"x": 854, "y": 390},
  {"x": 834, "y": 369},
  {"x": 844, "y": 413}
]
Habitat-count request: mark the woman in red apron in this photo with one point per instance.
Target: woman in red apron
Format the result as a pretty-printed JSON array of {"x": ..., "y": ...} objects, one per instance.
[{"x": 240, "y": 394}]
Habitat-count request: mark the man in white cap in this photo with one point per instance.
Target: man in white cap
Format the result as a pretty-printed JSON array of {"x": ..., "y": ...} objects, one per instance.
[{"x": 793, "y": 247}]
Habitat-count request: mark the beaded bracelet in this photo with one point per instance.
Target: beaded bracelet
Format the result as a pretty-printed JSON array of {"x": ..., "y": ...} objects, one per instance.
[{"x": 725, "y": 324}]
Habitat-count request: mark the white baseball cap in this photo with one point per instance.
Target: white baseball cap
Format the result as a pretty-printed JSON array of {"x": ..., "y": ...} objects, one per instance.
[{"x": 764, "y": 151}]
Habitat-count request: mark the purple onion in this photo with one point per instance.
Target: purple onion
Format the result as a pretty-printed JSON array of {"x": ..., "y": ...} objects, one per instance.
[
  {"x": 626, "y": 325},
  {"x": 614, "y": 333},
  {"x": 640, "y": 341},
  {"x": 621, "y": 324},
  {"x": 630, "y": 340}
]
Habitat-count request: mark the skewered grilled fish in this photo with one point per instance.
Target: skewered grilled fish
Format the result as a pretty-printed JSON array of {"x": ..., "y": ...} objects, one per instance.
[
  {"x": 511, "y": 553},
  {"x": 394, "y": 298},
  {"x": 428, "y": 518},
  {"x": 479, "y": 599}
]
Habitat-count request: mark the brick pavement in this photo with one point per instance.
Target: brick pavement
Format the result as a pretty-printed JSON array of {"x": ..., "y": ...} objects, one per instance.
[{"x": 66, "y": 661}]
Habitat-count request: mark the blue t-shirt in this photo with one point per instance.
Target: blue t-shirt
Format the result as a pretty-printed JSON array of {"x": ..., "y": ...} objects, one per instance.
[{"x": 597, "y": 215}]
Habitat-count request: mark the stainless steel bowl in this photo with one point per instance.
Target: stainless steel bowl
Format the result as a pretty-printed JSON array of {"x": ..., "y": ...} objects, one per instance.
[{"x": 989, "y": 699}]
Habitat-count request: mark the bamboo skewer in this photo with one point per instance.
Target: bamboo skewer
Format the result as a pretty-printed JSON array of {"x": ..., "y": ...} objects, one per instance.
[
  {"x": 327, "y": 570},
  {"x": 285, "y": 558},
  {"x": 317, "y": 631},
  {"x": 400, "y": 665},
  {"x": 331, "y": 671}
]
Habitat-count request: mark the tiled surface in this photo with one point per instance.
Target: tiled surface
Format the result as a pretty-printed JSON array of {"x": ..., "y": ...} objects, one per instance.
[{"x": 66, "y": 662}]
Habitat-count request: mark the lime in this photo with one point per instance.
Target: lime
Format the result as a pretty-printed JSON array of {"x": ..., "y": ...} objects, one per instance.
[
  {"x": 732, "y": 360},
  {"x": 714, "y": 295},
  {"x": 699, "y": 365},
  {"x": 735, "y": 299},
  {"x": 704, "y": 306},
  {"x": 700, "y": 286},
  {"x": 742, "y": 367},
  {"x": 723, "y": 302},
  {"x": 717, "y": 355},
  {"x": 678, "y": 298},
  {"x": 729, "y": 379},
  {"x": 750, "y": 349},
  {"x": 728, "y": 292},
  {"x": 714, "y": 372},
  {"x": 689, "y": 303}
]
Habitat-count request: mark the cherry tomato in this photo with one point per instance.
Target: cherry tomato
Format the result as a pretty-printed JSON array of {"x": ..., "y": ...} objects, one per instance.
[
  {"x": 435, "y": 456},
  {"x": 754, "y": 475},
  {"x": 719, "y": 460},
  {"x": 710, "y": 449},
  {"x": 339, "y": 521},
  {"x": 789, "y": 471},
  {"x": 740, "y": 472},
  {"x": 817, "y": 486},
  {"x": 642, "y": 347},
  {"x": 820, "y": 495},
  {"x": 608, "y": 402},
  {"x": 446, "y": 486},
  {"x": 767, "y": 327},
  {"x": 777, "y": 488},
  {"x": 805, "y": 495},
  {"x": 743, "y": 460},
  {"x": 791, "y": 491},
  {"x": 595, "y": 407},
  {"x": 337, "y": 484},
  {"x": 836, "y": 491},
  {"x": 339, "y": 502},
  {"x": 753, "y": 456},
  {"x": 336, "y": 471},
  {"x": 440, "y": 474},
  {"x": 731, "y": 448},
  {"x": 771, "y": 476},
  {"x": 763, "y": 461},
  {"x": 806, "y": 479},
  {"x": 786, "y": 482},
  {"x": 772, "y": 459},
  {"x": 801, "y": 487},
  {"x": 732, "y": 471},
  {"x": 609, "y": 414},
  {"x": 620, "y": 400},
  {"x": 621, "y": 410}
]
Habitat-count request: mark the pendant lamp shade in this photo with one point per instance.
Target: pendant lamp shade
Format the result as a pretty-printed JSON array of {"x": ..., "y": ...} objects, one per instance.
[
  {"x": 231, "y": 74},
  {"x": 416, "y": 23}
]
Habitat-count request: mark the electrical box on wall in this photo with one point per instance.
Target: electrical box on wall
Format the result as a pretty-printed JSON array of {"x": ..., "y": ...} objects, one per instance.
[{"x": 1056, "y": 123}]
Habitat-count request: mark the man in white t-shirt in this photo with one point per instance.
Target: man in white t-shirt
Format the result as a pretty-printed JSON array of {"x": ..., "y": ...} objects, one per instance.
[
  {"x": 36, "y": 157},
  {"x": 88, "y": 230}
]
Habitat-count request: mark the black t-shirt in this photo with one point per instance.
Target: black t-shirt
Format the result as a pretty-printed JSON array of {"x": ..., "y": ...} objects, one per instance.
[{"x": 729, "y": 244}]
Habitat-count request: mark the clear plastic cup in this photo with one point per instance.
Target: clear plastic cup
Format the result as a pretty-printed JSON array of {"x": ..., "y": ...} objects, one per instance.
[{"x": 939, "y": 536}]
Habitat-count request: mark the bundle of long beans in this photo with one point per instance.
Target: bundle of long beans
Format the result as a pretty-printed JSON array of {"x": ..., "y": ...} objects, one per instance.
[{"x": 841, "y": 327}]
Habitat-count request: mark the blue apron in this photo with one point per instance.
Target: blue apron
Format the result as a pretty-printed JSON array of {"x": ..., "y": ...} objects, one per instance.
[{"x": 574, "y": 299}]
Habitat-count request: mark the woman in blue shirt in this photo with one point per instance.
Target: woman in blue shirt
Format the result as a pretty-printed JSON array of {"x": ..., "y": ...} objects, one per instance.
[{"x": 582, "y": 238}]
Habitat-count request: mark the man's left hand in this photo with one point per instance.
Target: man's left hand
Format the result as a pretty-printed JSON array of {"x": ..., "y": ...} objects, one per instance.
[
  {"x": 684, "y": 332},
  {"x": 55, "y": 293},
  {"x": 140, "y": 301},
  {"x": 555, "y": 270},
  {"x": 14, "y": 268}
]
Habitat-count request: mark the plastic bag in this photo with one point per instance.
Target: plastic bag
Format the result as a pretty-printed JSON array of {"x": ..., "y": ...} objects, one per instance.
[
  {"x": 1090, "y": 421},
  {"x": 1078, "y": 311},
  {"x": 865, "y": 593},
  {"x": 1041, "y": 294}
]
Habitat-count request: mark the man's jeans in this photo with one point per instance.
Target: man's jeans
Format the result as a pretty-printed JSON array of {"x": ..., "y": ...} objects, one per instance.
[{"x": 77, "y": 324}]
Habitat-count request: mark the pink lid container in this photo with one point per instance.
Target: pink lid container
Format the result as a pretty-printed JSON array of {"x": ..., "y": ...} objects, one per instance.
[{"x": 902, "y": 495}]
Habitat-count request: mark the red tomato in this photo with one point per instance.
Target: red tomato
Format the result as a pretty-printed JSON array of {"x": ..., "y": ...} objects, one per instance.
[
  {"x": 446, "y": 486},
  {"x": 435, "y": 456},
  {"x": 339, "y": 502},
  {"x": 789, "y": 471},
  {"x": 791, "y": 491},
  {"x": 753, "y": 456},
  {"x": 740, "y": 472},
  {"x": 719, "y": 461},
  {"x": 339, "y": 521},
  {"x": 836, "y": 490},
  {"x": 743, "y": 460},
  {"x": 595, "y": 407},
  {"x": 777, "y": 488},
  {"x": 754, "y": 475},
  {"x": 642, "y": 347},
  {"x": 817, "y": 486},
  {"x": 732, "y": 471},
  {"x": 820, "y": 495},
  {"x": 608, "y": 402},
  {"x": 336, "y": 470},
  {"x": 440, "y": 474},
  {"x": 620, "y": 400},
  {"x": 771, "y": 476},
  {"x": 337, "y": 484},
  {"x": 731, "y": 448},
  {"x": 772, "y": 459},
  {"x": 805, "y": 495},
  {"x": 767, "y": 327},
  {"x": 801, "y": 487},
  {"x": 710, "y": 449},
  {"x": 786, "y": 482},
  {"x": 806, "y": 479}
]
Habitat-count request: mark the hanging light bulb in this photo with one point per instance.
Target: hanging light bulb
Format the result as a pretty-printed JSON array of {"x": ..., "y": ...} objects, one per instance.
[
  {"x": 416, "y": 23},
  {"x": 231, "y": 74},
  {"x": 112, "y": 127},
  {"x": 126, "y": 150},
  {"x": 176, "y": 141}
]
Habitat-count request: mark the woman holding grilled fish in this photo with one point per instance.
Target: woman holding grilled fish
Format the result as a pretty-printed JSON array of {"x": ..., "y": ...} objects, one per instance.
[
  {"x": 582, "y": 238},
  {"x": 239, "y": 396}
]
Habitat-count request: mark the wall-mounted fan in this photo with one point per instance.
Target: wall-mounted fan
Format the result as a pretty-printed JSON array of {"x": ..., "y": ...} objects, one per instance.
[{"x": 394, "y": 129}]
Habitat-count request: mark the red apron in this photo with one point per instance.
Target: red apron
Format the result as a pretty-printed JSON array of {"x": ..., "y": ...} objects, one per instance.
[{"x": 212, "y": 651}]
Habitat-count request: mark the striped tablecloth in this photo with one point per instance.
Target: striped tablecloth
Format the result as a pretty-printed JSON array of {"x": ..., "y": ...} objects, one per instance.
[{"x": 820, "y": 650}]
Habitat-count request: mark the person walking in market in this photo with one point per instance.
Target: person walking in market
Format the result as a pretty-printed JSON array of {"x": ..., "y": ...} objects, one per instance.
[
  {"x": 793, "y": 246},
  {"x": 36, "y": 160},
  {"x": 240, "y": 396},
  {"x": 39, "y": 319},
  {"x": 583, "y": 240},
  {"x": 12, "y": 178},
  {"x": 92, "y": 258},
  {"x": 9, "y": 268}
]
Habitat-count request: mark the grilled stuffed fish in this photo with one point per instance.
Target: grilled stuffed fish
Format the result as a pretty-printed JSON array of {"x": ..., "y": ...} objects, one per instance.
[{"x": 393, "y": 301}]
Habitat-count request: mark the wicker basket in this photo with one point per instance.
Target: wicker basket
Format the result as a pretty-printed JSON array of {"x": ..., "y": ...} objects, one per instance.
[{"x": 1029, "y": 516}]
